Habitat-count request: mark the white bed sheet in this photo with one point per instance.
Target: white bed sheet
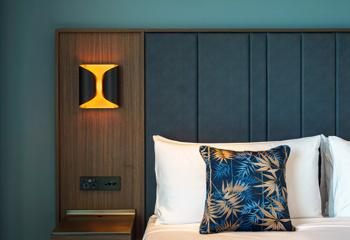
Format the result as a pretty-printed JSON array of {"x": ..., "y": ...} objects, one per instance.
[{"x": 306, "y": 229}]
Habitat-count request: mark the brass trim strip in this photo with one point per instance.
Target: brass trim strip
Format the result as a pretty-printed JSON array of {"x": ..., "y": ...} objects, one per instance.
[
  {"x": 118, "y": 212},
  {"x": 87, "y": 233}
]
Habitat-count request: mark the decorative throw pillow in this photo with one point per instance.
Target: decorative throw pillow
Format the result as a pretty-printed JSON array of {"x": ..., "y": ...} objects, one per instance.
[{"x": 246, "y": 191}]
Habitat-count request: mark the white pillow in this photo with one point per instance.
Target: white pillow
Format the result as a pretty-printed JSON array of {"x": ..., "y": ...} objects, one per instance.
[
  {"x": 181, "y": 180},
  {"x": 339, "y": 204}
]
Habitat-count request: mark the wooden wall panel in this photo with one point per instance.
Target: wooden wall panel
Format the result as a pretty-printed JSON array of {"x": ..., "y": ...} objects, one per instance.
[{"x": 101, "y": 142}]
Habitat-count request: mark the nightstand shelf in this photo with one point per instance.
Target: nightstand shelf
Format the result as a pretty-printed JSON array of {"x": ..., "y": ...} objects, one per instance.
[{"x": 96, "y": 225}]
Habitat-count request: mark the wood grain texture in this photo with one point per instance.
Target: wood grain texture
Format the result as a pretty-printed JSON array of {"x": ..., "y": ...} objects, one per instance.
[
  {"x": 101, "y": 142},
  {"x": 98, "y": 227}
]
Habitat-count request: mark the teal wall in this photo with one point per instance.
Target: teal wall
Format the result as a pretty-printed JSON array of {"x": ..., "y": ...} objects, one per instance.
[{"x": 27, "y": 133}]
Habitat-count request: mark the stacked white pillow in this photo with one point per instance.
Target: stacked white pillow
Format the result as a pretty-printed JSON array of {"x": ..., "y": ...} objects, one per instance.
[
  {"x": 336, "y": 157},
  {"x": 180, "y": 175}
]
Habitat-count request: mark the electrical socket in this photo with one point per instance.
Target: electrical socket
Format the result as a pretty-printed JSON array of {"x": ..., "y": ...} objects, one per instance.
[{"x": 100, "y": 183}]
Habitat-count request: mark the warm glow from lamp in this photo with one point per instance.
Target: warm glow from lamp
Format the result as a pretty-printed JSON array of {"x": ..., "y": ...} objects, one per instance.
[{"x": 99, "y": 100}]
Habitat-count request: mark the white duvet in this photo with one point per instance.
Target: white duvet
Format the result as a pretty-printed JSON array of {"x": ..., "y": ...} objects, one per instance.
[{"x": 306, "y": 229}]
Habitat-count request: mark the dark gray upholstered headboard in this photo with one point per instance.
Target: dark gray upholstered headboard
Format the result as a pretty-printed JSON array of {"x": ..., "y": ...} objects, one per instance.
[{"x": 228, "y": 87}]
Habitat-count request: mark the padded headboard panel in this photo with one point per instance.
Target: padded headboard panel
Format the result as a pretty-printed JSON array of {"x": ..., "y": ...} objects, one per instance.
[{"x": 249, "y": 86}]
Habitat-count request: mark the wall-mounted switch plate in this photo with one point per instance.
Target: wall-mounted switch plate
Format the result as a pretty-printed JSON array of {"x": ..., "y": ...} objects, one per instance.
[{"x": 100, "y": 183}]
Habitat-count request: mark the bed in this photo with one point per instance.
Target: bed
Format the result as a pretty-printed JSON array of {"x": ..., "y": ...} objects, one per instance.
[
  {"x": 242, "y": 86},
  {"x": 308, "y": 228}
]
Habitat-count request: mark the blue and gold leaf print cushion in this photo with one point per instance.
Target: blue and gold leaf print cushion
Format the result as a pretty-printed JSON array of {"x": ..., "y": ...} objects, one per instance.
[{"x": 246, "y": 191}]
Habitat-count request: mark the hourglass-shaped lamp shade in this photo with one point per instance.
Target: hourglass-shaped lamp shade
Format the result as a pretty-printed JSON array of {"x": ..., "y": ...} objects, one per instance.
[{"x": 98, "y": 86}]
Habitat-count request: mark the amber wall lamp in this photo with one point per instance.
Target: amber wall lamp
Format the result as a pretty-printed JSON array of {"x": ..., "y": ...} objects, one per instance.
[{"x": 98, "y": 86}]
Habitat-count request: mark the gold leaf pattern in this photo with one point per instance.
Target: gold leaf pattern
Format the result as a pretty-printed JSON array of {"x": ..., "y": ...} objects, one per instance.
[
  {"x": 255, "y": 200},
  {"x": 222, "y": 155}
]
